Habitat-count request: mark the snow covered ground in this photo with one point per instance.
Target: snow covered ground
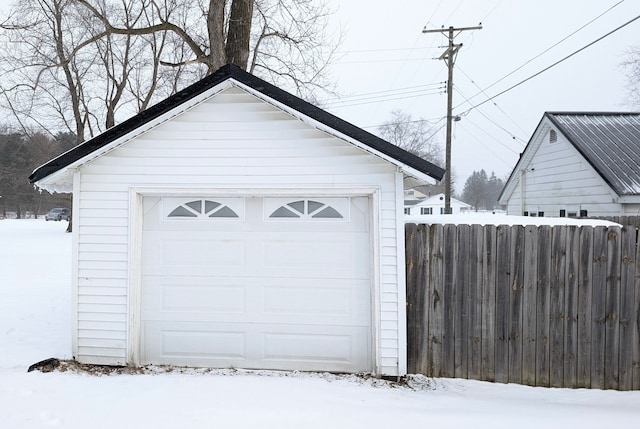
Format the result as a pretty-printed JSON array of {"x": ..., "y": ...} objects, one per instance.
[{"x": 35, "y": 324}]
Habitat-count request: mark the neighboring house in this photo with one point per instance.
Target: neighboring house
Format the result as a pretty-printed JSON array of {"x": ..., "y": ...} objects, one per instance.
[
  {"x": 413, "y": 194},
  {"x": 578, "y": 164},
  {"x": 236, "y": 225},
  {"x": 434, "y": 205}
]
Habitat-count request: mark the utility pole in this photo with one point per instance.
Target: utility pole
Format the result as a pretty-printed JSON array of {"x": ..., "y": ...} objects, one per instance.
[{"x": 449, "y": 56}]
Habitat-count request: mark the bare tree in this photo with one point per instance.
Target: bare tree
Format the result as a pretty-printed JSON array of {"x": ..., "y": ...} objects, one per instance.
[
  {"x": 81, "y": 65},
  {"x": 64, "y": 72},
  {"x": 632, "y": 70},
  {"x": 415, "y": 136}
]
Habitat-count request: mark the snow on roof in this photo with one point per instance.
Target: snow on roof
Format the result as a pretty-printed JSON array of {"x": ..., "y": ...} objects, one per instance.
[{"x": 502, "y": 219}]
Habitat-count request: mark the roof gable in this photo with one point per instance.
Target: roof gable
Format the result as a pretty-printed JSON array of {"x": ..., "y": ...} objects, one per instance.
[
  {"x": 608, "y": 141},
  {"x": 231, "y": 73}
]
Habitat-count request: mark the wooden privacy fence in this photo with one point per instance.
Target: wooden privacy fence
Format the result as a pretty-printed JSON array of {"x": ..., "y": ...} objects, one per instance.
[{"x": 536, "y": 305}]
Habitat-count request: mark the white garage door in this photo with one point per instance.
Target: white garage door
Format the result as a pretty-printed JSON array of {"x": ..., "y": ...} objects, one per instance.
[{"x": 262, "y": 283}]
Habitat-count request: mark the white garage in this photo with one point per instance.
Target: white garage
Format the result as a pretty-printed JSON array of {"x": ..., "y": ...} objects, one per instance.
[{"x": 234, "y": 225}]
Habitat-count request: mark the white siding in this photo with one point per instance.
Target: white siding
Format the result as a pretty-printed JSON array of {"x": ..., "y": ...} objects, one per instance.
[
  {"x": 234, "y": 140},
  {"x": 559, "y": 178}
]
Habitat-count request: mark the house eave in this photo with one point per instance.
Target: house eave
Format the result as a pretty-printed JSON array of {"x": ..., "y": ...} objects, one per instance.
[{"x": 60, "y": 182}]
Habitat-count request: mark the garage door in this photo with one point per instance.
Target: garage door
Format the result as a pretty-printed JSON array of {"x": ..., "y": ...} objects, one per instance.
[{"x": 261, "y": 283}]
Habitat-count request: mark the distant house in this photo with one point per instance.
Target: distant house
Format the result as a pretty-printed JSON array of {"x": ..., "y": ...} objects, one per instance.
[
  {"x": 234, "y": 225},
  {"x": 578, "y": 164},
  {"x": 414, "y": 194},
  {"x": 433, "y": 205}
]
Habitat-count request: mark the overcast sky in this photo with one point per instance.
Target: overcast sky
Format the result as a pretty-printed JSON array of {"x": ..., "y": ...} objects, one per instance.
[
  {"x": 386, "y": 53},
  {"x": 387, "y": 63}
]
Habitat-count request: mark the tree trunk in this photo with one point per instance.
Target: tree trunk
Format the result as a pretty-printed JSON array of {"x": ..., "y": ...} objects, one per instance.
[
  {"x": 237, "y": 47},
  {"x": 215, "y": 27}
]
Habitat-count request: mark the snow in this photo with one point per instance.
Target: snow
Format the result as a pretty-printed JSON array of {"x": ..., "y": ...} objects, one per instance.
[
  {"x": 35, "y": 324},
  {"x": 503, "y": 219}
]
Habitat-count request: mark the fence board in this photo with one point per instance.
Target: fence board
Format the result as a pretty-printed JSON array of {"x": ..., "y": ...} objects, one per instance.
[
  {"x": 627, "y": 297},
  {"x": 529, "y": 305},
  {"x": 542, "y": 310},
  {"x": 436, "y": 311},
  {"x": 489, "y": 250},
  {"x": 571, "y": 306},
  {"x": 461, "y": 302},
  {"x": 612, "y": 306},
  {"x": 556, "y": 309},
  {"x": 448, "y": 293},
  {"x": 515, "y": 304},
  {"x": 417, "y": 326},
  {"x": 598, "y": 308},
  {"x": 475, "y": 302},
  {"x": 503, "y": 280},
  {"x": 585, "y": 273},
  {"x": 636, "y": 321}
]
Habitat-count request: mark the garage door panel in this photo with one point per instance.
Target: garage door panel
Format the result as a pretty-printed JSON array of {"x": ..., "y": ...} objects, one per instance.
[
  {"x": 208, "y": 299},
  {"x": 257, "y": 300},
  {"x": 179, "y": 342},
  {"x": 323, "y": 346},
  {"x": 343, "y": 304},
  {"x": 179, "y": 298},
  {"x": 315, "y": 256},
  {"x": 252, "y": 346},
  {"x": 176, "y": 253}
]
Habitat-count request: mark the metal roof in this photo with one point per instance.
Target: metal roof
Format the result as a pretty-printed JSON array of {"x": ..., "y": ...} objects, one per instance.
[{"x": 609, "y": 141}]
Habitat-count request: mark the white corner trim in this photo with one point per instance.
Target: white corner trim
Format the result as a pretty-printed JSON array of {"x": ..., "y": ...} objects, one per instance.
[
  {"x": 134, "y": 278},
  {"x": 376, "y": 264},
  {"x": 75, "y": 240},
  {"x": 402, "y": 277}
]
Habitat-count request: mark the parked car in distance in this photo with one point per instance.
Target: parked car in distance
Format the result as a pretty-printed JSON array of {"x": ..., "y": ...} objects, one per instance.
[{"x": 57, "y": 214}]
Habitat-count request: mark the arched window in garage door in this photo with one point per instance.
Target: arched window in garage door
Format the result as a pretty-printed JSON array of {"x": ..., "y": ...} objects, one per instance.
[
  {"x": 202, "y": 208},
  {"x": 306, "y": 209}
]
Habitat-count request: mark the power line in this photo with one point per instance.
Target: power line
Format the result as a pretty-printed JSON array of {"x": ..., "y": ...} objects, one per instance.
[
  {"x": 512, "y": 135},
  {"x": 493, "y": 10},
  {"x": 411, "y": 91},
  {"x": 494, "y": 103},
  {"x": 489, "y": 148},
  {"x": 383, "y": 50},
  {"x": 370, "y": 100},
  {"x": 431, "y": 121},
  {"x": 380, "y": 61},
  {"x": 553, "y": 65},
  {"x": 428, "y": 85},
  {"x": 543, "y": 52}
]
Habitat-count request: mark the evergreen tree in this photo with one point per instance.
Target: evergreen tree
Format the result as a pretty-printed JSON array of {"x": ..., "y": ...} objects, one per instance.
[{"x": 482, "y": 191}]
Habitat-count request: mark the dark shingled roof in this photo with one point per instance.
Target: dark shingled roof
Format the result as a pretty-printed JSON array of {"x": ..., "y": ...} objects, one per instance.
[
  {"x": 610, "y": 142},
  {"x": 227, "y": 72}
]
